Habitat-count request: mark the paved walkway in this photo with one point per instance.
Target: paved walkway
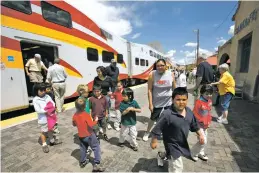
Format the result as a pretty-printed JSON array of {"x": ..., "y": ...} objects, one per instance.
[{"x": 233, "y": 147}]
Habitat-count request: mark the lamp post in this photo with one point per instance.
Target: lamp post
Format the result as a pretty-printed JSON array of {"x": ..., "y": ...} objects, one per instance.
[{"x": 198, "y": 44}]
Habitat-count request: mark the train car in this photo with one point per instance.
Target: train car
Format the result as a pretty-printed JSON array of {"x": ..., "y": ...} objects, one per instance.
[{"x": 56, "y": 29}]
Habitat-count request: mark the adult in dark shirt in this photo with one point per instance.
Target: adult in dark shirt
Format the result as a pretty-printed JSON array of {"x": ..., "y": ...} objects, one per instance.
[
  {"x": 113, "y": 72},
  {"x": 204, "y": 74},
  {"x": 174, "y": 124}
]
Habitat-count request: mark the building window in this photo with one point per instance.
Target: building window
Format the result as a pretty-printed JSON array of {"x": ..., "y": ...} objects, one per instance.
[
  {"x": 22, "y": 6},
  {"x": 142, "y": 62},
  {"x": 120, "y": 58},
  {"x": 146, "y": 62},
  {"x": 245, "y": 53},
  {"x": 107, "y": 56},
  {"x": 56, "y": 15},
  {"x": 136, "y": 61},
  {"x": 106, "y": 34},
  {"x": 92, "y": 54},
  {"x": 151, "y": 53}
]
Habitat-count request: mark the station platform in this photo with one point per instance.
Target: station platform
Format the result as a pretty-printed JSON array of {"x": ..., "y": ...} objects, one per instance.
[{"x": 231, "y": 148}]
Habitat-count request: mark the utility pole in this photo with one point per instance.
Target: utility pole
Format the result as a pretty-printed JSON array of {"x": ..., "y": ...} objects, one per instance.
[{"x": 198, "y": 44}]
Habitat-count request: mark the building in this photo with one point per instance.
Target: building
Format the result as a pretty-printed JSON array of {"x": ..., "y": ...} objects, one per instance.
[{"x": 243, "y": 49}]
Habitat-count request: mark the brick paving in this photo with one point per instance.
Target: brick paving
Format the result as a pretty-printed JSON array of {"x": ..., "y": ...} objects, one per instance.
[{"x": 231, "y": 148}]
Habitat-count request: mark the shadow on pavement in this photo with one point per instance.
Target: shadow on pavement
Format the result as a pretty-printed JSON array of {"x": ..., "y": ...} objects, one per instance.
[
  {"x": 149, "y": 165},
  {"x": 142, "y": 119}
]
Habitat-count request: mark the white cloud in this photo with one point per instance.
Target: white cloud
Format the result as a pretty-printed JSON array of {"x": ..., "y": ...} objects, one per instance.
[
  {"x": 115, "y": 19},
  {"x": 231, "y": 30},
  {"x": 216, "y": 48},
  {"x": 190, "y": 44},
  {"x": 136, "y": 35},
  {"x": 221, "y": 41},
  {"x": 170, "y": 53},
  {"x": 189, "y": 54}
]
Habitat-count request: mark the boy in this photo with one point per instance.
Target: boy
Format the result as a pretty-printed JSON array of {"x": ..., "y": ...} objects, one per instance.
[
  {"x": 99, "y": 108},
  {"x": 117, "y": 96},
  {"x": 174, "y": 124},
  {"x": 128, "y": 109},
  {"x": 202, "y": 113},
  {"x": 40, "y": 102},
  {"x": 83, "y": 91},
  {"x": 84, "y": 125}
]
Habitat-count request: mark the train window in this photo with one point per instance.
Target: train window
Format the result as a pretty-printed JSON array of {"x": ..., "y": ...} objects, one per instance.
[
  {"x": 154, "y": 54},
  {"x": 151, "y": 53},
  {"x": 107, "y": 56},
  {"x": 92, "y": 54},
  {"x": 146, "y": 62},
  {"x": 136, "y": 61},
  {"x": 106, "y": 34},
  {"x": 22, "y": 6},
  {"x": 56, "y": 15},
  {"x": 120, "y": 58},
  {"x": 142, "y": 62}
]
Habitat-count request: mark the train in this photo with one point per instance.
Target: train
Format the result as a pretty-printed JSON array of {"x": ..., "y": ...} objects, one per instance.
[{"x": 56, "y": 29}]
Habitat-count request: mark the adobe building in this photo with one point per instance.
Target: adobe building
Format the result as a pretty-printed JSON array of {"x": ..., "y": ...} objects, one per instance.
[{"x": 242, "y": 50}]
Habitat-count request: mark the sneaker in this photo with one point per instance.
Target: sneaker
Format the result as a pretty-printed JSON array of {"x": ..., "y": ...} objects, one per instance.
[
  {"x": 105, "y": 137},
  {"x": 109, "y": 127},
  {"x": 223, "y": 121},
  {"x": 134, "y": 148},
  {"x": 145, "y": 137},
  {"x": 203, "y": 157},
  {"x": 160, "y": 161},
  {"x": 195, "y": 158},
  {"x": 84, "y": 163},
  {"x": 56, "y": 142},
  {"x": 45, "y": 148},
  {"x": 88, "y": 152},
  {"x": 121, "y": 144},
  {"x": 117, "y": 129},
  {"x": 98, "y": 168},
  {"x": 155, "y": 123},
  {"x": 101, "y": 130},
  {"x": 219, "y": 118}
]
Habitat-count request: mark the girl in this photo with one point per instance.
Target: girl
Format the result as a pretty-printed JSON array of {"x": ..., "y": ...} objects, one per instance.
[{"x": 128, "y": 109}]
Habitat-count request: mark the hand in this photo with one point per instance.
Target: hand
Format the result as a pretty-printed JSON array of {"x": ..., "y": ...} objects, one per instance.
[
  {"x": 201, "y": 139},
  {"x": 153, "y": 145},
  {"x": 96, "y": 118},
  {"x": 151, "y": 108}
]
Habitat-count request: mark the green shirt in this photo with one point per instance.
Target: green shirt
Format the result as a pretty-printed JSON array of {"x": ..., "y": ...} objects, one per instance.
[
  {"x": 87, "y": 105},
  {"x": 130, "y": 118}
]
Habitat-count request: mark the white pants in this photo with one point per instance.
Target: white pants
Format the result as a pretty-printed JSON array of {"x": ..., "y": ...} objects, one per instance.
[
  {"x": 59, "y": 92},
  {"x": 117, "y": 118},
  {"x": 199, "y": 148},
  {"x": 175, "y": 165},
  {"x": 132, "y": 132}
]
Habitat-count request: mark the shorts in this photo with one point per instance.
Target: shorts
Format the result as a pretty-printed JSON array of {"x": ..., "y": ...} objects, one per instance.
[
  {"x": 157, "y": 112},
  {"x": 43, "y": 127},
  {"x": 36, "y": 76},
  {"x": 225, "y": 101}
]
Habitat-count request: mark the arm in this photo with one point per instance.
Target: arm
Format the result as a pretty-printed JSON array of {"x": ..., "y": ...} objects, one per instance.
[
  {"x": 38, "y": 109},
  {"x": 136, "y": 108},
  {"x": 64, "y": 73},
  {"x": 150, "y": 87},
  {"x": 199, "y": 74},
  {"x": 201, "y": 136},
  {"x": 49, "y": 76},
  {"x": 157, "y": 130},
  {"x": 173, "y": 79},
  {"x": 73, "y": 123},
  {"x": 27, "y": 71},
  {"x": 43, "y": 66},
  {"x": 90, "y": 122}
]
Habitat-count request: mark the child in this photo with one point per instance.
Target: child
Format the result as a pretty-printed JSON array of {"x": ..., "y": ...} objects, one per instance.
[
  {"x": 83, "y": 91},
  {"x": 181, "y": 82},
  {"x": 49, "y": 91},
  {"x": 117, "y": 96},
  {"x": 41, "y": 102},
  {"x": 99, "y": 108},
  {"x": 84, "y": 124},
  {"x": 202, "y": 113},
  {"x": 128, "y": 109}
]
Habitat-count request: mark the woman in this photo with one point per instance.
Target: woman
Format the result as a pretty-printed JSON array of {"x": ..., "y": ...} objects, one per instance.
[
  {"x": 106, "y": 83},
  {"x": 160, "y": 88},
  {"x": 226, "y": 86}
]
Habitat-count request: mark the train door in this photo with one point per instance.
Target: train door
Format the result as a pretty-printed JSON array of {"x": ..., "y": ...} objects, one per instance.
[{"x": 48, "y": 54}]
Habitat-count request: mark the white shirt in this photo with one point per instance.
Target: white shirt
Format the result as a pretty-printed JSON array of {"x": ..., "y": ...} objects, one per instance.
[
  {"x": 56, "y": 73},
  {"x": 181, "y": 82},
  {"x": 39, "y": 104}
]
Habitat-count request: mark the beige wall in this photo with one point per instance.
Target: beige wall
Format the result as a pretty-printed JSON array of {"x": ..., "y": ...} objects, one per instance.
[{"x": 245, "y": 9}]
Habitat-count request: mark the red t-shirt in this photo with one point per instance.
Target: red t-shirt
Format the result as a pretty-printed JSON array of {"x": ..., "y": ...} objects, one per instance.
[
  {"x": 118, "y": 98},
  {"x": 202, "y": 112},
  {"x": 84, "y": 124}
]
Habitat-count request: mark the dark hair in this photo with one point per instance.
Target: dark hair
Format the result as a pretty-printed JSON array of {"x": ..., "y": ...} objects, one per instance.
[
  {"x": 154, "y": 68},
  {"x": 103, "y": 70},
  {"x": 179, "y": 91},
  {"x": 38, "y": 87},
  {"x": 97, "y": 87},
  {"x": 206, "y": 88},
  {"x": 128, "y": 92},
  {"x": 80, "y": 104}
]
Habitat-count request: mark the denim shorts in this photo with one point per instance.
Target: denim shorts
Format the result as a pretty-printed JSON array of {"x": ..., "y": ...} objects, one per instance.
[{"x": 225, "y": 101}]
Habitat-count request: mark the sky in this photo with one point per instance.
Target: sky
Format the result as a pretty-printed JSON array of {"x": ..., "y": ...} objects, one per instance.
[{"x": 171, "y": 23}]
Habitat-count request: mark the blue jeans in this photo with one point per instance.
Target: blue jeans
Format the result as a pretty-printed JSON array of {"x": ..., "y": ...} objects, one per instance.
[
  {"x": 225, "y": 101},
  {"x": 94, "y": 145}
]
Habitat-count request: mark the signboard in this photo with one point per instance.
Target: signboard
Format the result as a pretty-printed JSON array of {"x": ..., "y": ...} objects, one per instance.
[{"x": 10, "y": 58}]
